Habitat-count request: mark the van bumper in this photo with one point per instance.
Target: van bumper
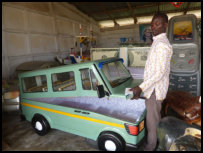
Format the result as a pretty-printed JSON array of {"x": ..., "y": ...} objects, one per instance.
[{"x": 137, "y": 146}]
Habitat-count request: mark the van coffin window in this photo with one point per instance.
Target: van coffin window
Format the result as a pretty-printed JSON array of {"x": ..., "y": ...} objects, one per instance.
[
  {"x": 64, "y": 81},
  {"x": 85, "y": 78},
  {"x": 94, "y": 80},
  {"x": 35, "y": 84}
]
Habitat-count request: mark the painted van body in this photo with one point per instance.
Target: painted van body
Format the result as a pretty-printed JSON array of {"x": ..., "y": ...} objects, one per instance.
[{"x": 86, "y": 99}]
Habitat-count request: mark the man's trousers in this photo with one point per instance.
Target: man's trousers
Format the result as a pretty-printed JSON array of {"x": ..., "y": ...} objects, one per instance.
[{"x": 153, "y": 117}]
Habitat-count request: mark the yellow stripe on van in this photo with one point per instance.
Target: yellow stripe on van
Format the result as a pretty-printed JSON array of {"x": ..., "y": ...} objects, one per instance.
[{"x": 73, "y": 115}]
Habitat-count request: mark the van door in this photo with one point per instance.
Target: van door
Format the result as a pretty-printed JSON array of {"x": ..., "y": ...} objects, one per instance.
[
  {"x": 80, "y": 87},
  {"x": 89, "y": 82},
  {"x": 88, "y": 91}
]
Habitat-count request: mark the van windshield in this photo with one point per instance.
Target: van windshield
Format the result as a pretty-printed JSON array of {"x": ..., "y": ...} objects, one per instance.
[{"x": 116, "y": 73}]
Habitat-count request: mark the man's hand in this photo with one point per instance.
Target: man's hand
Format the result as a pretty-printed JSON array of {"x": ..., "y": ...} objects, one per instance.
[{"x": 136, "y": 92}]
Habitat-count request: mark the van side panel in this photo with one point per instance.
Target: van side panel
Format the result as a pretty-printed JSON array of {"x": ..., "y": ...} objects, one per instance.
[{"x": 68, "y": 120}]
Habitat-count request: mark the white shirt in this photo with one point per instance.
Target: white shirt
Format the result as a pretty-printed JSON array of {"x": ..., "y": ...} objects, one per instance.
[{"x": 157, "y": 68}]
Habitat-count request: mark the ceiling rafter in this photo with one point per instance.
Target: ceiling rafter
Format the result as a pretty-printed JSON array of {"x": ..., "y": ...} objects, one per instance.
[
  {"x": 148, "y": 14},
  {"x": 106, "y": 12},
  {"x": 187, "y": 7},
  {"x": 127, "y": 9},
  {"x": 131, "y": 12},
  {"x": 81, "y": 3}
]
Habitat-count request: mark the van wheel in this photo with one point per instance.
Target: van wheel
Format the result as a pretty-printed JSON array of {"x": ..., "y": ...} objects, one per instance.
[
  {"x": 110, "y": 142},
  {"x": 40, "y": 125}
]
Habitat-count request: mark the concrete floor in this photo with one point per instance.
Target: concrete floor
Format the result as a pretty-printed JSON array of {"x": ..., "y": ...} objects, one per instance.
[{"x": 18, "y": 135}]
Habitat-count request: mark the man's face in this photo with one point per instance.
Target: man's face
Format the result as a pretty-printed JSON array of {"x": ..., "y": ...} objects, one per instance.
[{"x": 158, "y": 26}]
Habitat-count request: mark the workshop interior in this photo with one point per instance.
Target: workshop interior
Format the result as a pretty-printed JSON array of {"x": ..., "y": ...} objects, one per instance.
[{"x": 67, "y": 68}]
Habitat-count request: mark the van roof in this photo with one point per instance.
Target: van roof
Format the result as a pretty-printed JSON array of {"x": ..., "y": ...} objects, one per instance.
[{"x": 100, "y": 61}]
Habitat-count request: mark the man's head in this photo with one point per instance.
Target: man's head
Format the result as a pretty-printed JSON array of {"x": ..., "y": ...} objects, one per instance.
[{"x": 159, "y": 23}]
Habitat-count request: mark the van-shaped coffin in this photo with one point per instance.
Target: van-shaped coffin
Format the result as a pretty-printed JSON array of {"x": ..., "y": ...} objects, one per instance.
[{"x": 86, "y": 99}]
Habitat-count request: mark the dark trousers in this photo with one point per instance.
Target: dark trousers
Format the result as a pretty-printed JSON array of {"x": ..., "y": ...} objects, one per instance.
[{"x": 153, "y": 117}]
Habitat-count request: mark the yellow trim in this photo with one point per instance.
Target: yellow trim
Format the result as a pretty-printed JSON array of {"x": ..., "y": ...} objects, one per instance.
[
  {"x": 31, "y": 89},
  {"x": 73, "y": 115},
  {"x": 66, "y": 85}
]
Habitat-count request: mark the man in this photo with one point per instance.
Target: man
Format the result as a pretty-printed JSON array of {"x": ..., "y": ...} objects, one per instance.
[{"x": 156, "y": 77}]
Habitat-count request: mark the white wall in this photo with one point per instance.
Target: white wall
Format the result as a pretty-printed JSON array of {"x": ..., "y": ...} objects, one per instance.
[
  {"x": 111, "y": 38},
  {"x": 34, "y": 31}
]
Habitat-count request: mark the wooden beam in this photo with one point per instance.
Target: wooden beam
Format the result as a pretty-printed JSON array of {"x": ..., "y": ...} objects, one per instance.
[
  {"x": 187, "y": 7},
  {"x": 131, "y": 12},
  {"x": 106, "y": 12},
  {"x": 152, "y": 13},
  {"x": 127, "y": 9}
]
